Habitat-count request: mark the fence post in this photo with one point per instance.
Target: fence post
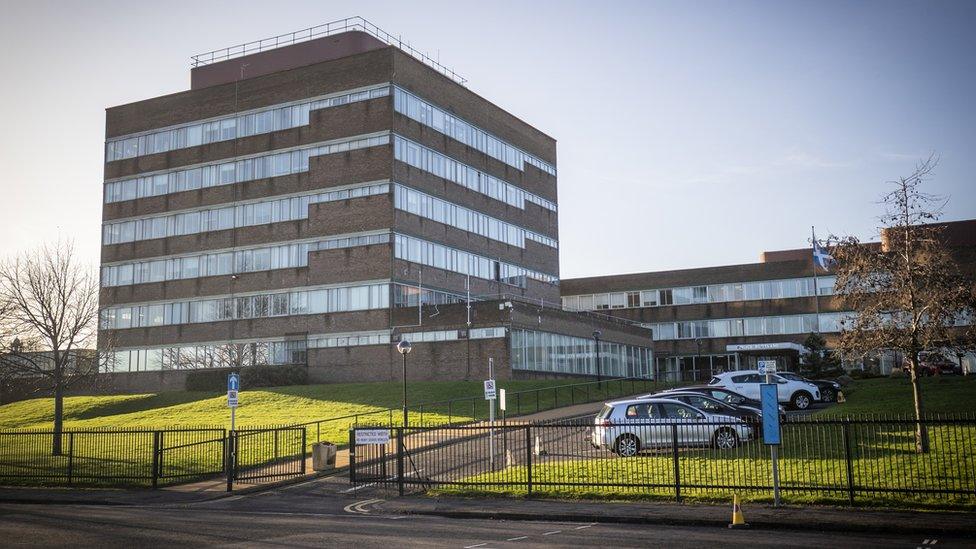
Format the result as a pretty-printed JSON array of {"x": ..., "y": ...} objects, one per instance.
[
  {"x": 537, "y": 391},
  {"x": 674, "y": 455},
  {"x": 230, "y": 460},
  {"x": 318, "y": 431},
  {"x": 450, "y": 410},
  {"x": 155, "y": 459},
  {"x": 528, "y": 458},
  {"x": 421, "y": 415},
  {"x": 400, "y": 451},
  {"x": 71, "y": 457},
  {"x": 276, "y": 454},
  {"x": 304, "y": 441},
  {"x": 352, "y": 455},
  {"x": 847, "y": 458}
]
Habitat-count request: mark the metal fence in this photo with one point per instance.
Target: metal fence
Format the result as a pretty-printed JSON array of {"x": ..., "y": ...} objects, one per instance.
[
  {"x": 150, "y": 458},
  {"x": 844, "y": 461},
  {"x": 118, "y": 457}
]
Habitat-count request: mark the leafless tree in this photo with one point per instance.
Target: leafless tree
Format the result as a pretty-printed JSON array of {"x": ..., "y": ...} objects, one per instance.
[
  {"x": 910, "y": 295},
  {"x": 48, "y": 317}
]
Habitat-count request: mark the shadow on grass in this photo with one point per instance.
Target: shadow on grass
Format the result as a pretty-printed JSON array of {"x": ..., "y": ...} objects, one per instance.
[{"x": 141, "y": 403}]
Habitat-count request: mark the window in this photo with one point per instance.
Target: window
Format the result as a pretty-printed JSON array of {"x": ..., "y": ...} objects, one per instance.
[
  {"x": 666, "y": 297},
  {"x": 649, "y": 298},
  {"x": 673, "y": 410}
]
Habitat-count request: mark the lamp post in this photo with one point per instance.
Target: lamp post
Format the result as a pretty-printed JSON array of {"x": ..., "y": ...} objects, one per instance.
[
  {"x": 599, "y": 373},
  {"x": 404, "y": 347}
]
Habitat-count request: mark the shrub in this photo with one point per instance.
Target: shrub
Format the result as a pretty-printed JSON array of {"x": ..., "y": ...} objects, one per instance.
[{"x": 251, "y": 376}]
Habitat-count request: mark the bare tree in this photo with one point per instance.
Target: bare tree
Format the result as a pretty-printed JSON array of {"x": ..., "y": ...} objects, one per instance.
[
  {"x": 48, "y": 314},
  {"x": 909, "y": 295}
]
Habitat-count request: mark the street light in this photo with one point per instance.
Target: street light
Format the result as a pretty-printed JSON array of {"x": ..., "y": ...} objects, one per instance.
[
  {"x": 599, "y": 376},
  {"x": 404, "y": 347}
]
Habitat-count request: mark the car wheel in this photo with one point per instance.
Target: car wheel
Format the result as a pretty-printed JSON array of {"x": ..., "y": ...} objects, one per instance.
[
  {"x": 627, "y": 446},
  {"x": 801, "y": 400},
  {"x": 725, "y": 439},
  {"x": 827, "y": 395}
]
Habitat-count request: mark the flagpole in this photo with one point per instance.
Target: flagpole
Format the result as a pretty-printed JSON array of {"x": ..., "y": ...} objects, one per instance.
[{"x": 816, "y": 283}]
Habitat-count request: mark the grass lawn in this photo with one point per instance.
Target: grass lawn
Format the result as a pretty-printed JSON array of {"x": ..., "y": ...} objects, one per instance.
[
  {"x": 295, "y": 404},
  {"x": 893, "y": 396}
]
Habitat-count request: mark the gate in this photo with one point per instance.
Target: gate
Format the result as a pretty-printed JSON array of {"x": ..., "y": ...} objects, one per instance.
[{"x": 259, "y": 455}]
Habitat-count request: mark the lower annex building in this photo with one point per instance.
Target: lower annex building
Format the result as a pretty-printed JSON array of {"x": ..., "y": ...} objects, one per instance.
[{"x": 716, "y": 319}]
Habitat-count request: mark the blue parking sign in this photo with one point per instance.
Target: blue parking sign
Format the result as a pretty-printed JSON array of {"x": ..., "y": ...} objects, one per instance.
[{"x": 770, "y": 413}]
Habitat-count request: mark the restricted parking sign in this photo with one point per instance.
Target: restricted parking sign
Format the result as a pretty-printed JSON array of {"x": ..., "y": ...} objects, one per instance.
[
  {"x": 767, "y": 367},
  {"x": 489, "y": 389}
]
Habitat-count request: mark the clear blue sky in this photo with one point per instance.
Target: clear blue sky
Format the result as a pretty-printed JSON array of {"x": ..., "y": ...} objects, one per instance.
[{"x": 690, "y": 133}]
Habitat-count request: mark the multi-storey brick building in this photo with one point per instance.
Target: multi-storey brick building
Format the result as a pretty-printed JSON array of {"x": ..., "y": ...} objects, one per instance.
[
  {"x": 314, "y": 203},
  {"x": 721, "y": 318}
]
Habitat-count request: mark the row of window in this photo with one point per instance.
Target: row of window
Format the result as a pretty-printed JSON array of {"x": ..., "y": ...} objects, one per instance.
[
  {"x": 260, "y": 353},
  {"x": 209, "y": 355},
  {"x": 435, "y": 255},
  {"x": 712, "y": 293},
  {"x": 753, "y": 326},
  {"x": 228, "y": 217},
  {"x": 229, "y": 262},
  {"x": 258, "y": 121},
  {"x": 547, "y": 352},
  {"x": 413, "y": 107},
  {"x": 441, "y": 165},
  {"x": 442, "y": 211},
  {"x": 286, "y": 303},
  {"x": 405, "y": 295},
  {"x": 233, "y": 171}
]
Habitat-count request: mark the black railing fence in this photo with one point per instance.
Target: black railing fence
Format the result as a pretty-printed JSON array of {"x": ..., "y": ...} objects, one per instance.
[
  {"x": 844, "y": 461},
  {"x": 150, "y": 458}
]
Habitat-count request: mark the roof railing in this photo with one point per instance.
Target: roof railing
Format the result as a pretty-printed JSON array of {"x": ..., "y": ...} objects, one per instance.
[{"x": 327, "y": 29}]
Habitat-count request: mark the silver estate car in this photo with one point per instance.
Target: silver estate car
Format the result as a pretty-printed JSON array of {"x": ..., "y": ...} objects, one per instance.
[{"x": 626, "y": 427}]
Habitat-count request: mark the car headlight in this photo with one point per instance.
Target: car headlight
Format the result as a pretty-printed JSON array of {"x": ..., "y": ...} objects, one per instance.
[{"x": 835, "y": 384}]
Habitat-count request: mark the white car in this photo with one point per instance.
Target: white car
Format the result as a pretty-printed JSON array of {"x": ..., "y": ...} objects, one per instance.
[
  {"x": 798, "y": 394},
  {"x": 626, "y": 427}
]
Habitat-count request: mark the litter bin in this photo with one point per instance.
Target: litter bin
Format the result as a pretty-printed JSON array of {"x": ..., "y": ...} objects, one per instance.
[{"x": 323, "y": 456}]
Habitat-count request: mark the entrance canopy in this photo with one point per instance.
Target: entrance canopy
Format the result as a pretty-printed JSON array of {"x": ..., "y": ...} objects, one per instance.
[{"x": 763, "y": 347}]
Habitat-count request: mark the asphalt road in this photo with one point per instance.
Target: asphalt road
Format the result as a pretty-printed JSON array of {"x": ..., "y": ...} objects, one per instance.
[{"x": 238, "y": 523}]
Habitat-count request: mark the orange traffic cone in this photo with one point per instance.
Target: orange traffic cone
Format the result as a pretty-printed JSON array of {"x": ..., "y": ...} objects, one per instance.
[{"x": 738, "y": 520}]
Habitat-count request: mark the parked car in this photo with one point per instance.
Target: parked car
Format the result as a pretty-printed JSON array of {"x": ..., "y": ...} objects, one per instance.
[
  {"x": 931, "y": 364},
  {"x": 718, "y": 393},
  {"x": 711, "y": 405},
  {"x": 828, "y": 389},
  {"x": 626, "y": 427},
  {"x": 798, "y": 394}
]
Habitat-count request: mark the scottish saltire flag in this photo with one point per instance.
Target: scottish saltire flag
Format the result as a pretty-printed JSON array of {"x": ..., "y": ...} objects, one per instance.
[{"x": 821, "y": 256}]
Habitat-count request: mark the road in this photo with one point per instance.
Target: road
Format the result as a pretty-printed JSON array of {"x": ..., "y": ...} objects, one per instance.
[{"x": 241, "y": 522}]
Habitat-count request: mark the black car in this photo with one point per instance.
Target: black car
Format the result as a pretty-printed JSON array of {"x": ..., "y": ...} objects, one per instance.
[
  {"x": 714, "y": 406},
  {"x": 723, "y": 395},
  {"x": 828, "y": 389}
]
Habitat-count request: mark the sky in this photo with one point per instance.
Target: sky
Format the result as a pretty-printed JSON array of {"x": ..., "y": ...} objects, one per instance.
[{"x": 689, "y": 134}]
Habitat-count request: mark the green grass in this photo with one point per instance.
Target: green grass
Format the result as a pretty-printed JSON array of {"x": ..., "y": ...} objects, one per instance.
[
  {"x": 893, "y": 396},
  {"x": 291, "y": 405}
]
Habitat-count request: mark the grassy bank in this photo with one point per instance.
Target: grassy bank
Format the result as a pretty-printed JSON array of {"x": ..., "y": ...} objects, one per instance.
[{"x": 893, "y": 396}]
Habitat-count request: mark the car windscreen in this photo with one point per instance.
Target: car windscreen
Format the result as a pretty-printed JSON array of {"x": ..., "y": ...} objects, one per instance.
[
  {"x": 714, "y": 381},
  {"x": 605, "y": 412},
  {"x": 791, "y": 376}
]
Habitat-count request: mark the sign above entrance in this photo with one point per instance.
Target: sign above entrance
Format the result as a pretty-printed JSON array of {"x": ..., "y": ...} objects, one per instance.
[{"x": 784, "y": 346}]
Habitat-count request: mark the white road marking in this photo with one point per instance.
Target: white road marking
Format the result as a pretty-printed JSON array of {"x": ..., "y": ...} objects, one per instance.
[
  {"x": 584, "y": 527},
  {"x": 360, "y": 506},
  {"x": 518, "y": 538},
  {"x": 478, "y": 545},
  {"x": 551, "y": 533}
]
